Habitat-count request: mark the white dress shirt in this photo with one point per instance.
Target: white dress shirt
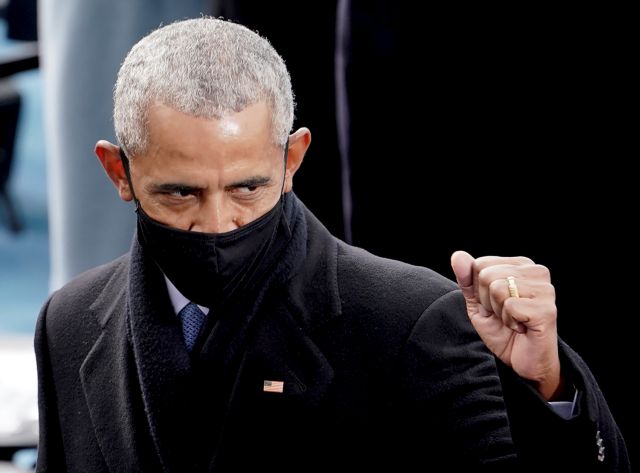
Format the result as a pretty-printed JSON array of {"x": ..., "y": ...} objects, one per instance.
[{"x": 178, "y": 300}]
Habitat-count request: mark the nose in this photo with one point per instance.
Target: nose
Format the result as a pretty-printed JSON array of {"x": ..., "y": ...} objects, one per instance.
[{"x": 215, "y": 215}]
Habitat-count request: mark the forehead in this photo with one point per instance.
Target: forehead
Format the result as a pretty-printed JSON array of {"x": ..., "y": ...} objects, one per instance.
[{"x": 173, "y": 130}]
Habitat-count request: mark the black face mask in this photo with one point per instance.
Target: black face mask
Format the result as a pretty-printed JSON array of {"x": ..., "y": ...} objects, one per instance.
[{"x": 209, "y": 267}]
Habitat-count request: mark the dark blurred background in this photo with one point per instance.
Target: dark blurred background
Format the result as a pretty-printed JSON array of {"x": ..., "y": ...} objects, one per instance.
[{"x": 500, "y": 131}]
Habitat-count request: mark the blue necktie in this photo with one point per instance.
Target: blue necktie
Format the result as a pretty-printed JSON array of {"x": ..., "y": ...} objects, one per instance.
[{"x": 192, "y": 320}]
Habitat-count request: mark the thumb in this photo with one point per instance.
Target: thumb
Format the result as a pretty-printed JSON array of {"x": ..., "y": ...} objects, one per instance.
[{"x": 462, "y": 265}]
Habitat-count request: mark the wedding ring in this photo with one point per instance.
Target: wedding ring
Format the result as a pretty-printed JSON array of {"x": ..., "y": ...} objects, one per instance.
[{"x": 513, "y": 287}]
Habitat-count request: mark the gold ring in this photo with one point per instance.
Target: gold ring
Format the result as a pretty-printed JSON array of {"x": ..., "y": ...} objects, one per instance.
[{"x": 513, "y": 288}]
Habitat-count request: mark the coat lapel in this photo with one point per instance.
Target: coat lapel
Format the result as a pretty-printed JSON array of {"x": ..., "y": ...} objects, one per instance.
[
  {"x": 137, "y": 378},
  {"x": 163, "y": 364},
  {"x": 109, "y": 381}
]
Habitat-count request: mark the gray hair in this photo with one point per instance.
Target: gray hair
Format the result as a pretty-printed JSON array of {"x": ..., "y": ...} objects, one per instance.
[{"x": 204, "y": 67}]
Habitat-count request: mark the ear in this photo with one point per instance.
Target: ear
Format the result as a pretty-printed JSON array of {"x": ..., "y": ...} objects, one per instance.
[
  {"x": 109, "y": 156},
  {"x": 299, "y": 142}
]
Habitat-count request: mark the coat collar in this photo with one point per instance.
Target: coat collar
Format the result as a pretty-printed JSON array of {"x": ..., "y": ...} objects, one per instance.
[{"x": 313, "y": 290}]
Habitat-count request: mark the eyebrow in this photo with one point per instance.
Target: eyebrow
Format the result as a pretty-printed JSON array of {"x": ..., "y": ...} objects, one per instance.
[
  {"x": 171, "y": 187},
  {"x": 253, "y": 181}
]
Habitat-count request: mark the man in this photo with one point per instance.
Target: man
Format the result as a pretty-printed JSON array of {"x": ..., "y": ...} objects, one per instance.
[{"x": 238, "y": 333}]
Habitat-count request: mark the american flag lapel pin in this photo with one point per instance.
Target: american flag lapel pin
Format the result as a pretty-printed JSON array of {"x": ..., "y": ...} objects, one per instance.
[{"x": 273, "y": 386}]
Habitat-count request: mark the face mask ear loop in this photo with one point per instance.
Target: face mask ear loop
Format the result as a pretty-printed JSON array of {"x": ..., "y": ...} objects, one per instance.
[
  {"x": 286, "y": 157},
  {"x": 125, "y": 165},
  {"x": 275, "y": 229}
]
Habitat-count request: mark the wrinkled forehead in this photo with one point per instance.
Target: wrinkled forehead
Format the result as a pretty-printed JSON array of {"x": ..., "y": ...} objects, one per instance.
[
  {"x": 245, "y": 122},
  {"x": 243, "y": 133}
]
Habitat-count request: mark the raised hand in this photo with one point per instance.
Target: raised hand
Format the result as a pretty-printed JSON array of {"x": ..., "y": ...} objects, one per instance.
[{"x": 517, "y": 325}]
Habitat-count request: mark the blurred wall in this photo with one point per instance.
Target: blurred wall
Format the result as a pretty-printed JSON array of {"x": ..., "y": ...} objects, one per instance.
[{"x": 82, "y": 45}]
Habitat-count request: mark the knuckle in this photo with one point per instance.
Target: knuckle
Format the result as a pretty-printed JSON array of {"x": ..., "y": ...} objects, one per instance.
[
  {"x": 479, "y": 264},
  {"x": 536, "y": 271},
  {"x": 550, "y": 290},
  {"x": 523, "y": 260},
  {"x": 543, "y": 271},
  {"x": 552, "y": 312},
  {"x": 485, "y": 277},
  {"x": 496, "y": 286},
  {"x": 484, "y": 262}
]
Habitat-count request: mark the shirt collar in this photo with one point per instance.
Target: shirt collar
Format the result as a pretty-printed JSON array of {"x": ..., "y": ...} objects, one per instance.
[{"x": 178, "y": 300}]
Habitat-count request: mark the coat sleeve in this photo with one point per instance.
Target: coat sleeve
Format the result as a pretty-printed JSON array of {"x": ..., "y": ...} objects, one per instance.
[
  {"x": 50, "y": 445},
  {"x": 589, "y": 441},
  {"x": 453, "y": 392},
  {"x": 483, "y": 416}
]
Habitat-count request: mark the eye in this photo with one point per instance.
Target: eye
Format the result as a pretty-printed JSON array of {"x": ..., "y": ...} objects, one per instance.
[
  {"x": 246, "y": 189},
  {"x": 181, "y": 192},
  {"x": 246, "y": 193}
]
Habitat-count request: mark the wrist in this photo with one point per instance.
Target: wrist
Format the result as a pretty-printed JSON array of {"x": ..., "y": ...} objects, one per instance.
[{"x": 555, "y": 388}]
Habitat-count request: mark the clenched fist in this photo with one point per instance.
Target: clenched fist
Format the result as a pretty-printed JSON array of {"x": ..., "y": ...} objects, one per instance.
[{"x": 519, "y": 327}]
